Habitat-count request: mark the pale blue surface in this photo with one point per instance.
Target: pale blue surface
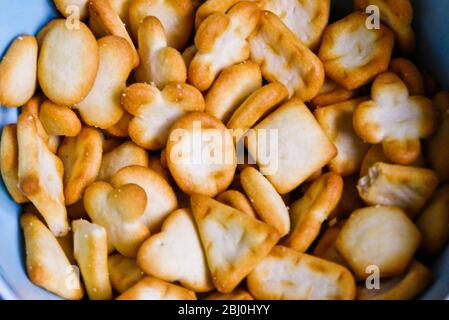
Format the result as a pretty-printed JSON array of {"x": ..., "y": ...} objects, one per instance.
[{"x": 28, "y": 16}]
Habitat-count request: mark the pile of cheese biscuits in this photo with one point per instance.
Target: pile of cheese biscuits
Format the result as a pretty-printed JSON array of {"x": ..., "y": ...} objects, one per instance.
[{"x": 113, "y": 206}]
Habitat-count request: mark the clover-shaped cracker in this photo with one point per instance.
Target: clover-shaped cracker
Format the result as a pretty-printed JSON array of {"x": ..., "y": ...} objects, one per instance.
[
  {"x": 232, "y": 87},
  {"x": 170, "y": 257},
  {"x": 404, "y": 187},
  {"x": 156, "y": 111},
  {"x": 46, "y": 264},
  {"x": 286, "y": 274},
  {"x": 120, "y": 129},
  {"x": 221, "y": 41},
  {"x": 123, "y": 272},
  {"x": 126, "y": 154},
  {"x": 90, "y": 246},
  {"x": 380, "y": 236},
  {"x": 101, "y": 107},
  {"x": 119, "y": 211},
  {"x": 233, "y": 241},
  {"x": 201, "y": 154},
  {"x": 61, "y": 50},
  {"x": 18, "y": 72},
  {"x": 150, "y": 288},
  {"x": 9, "y": 158},
  {"x": 336, "y": 122},
  {"x": 352, "y": 54},
  {"x": 433, "y": 223},
  {"x": 283, "y": 58},
  {"x": 395, "y": 119},
  {"x": 161, "y": 199},
  {"x": 289, "y": 146},
  {"x": 175, "y": 15},
  {"x": 110, "y": 22},
  {"x": 398, "y": 15},
  {"x": 59, "y": 120},
  {"x": 266, "y": 201},
  {"x": 81, "y": 156},
  {"x": 41, "y": 174},
  {"x": 406, "y": 286},
  {"x": 437, "y": 151},
  {"x": 305, "y": 18},
  {"x": 159, "y": 63},
  {"x": 309, "y": 213}
]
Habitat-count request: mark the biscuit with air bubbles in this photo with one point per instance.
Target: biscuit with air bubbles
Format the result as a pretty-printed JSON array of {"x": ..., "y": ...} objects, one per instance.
[
  {"x": 232, "y": 87},
  {"x": 201, "y": 155},
  {"x": 336, "y": 122},
  {"x": 266, "y": 201},
  {"x": 150, "y": 288},
  {"x": 286, "y": 274},
  {"x": 119, "y": 211},
  {"x": 406, "y": 286},
  {"x": 110, "y": 22},
  {"x": 59, "y": 120},
  {"x": 398, "y": 15},
  {"x": 409, "y": 74},
  {"x": 61, "y": 49},
  {"x": 289, "y": 146},
  {"x": 332, "y": 93},
  {"x": 258, "y": 104},
  {"x": 41, "y": 174},
  {"x": 234, "y": 243},
  {"x": 284, "y": 59},
  {"x": 18, "y": 72},
  {"x": 353, "y": 54},
  {"x": 81, "y": 156},
  {"x": 237, "y": 200},
  {"x": 437, "y": 153},
  {"x": 401, "y": 186},
  {"x": 175, "y": 15},
  {"x": 433, "y": 223},
  {"x": 9, "y": 157},
  {"x": 221, "y": 41},
  {"x": 159, "y": 63},
  {"x": 170, "y": 257},
  {"x": 127, "y": 154},
  {"x": 123, "y": 272},
  {"x": 101, "y": 107},
  {"x": 305, "y": 18},
  {"x": 308, "y": 213},
  {"x": 237, "y": 294},
  {"x": 46, "y": 264},
  {"x": 161, "y": 199},
  {"x": 379, "y": 236},
  {"x": 155, "y": 111},
  {"x": 91, "y": 253},
  {"x": 395, "y": 119}
]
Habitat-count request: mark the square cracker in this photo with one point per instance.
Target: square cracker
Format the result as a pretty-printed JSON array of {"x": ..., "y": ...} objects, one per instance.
[{"x": 302, "y": 146}]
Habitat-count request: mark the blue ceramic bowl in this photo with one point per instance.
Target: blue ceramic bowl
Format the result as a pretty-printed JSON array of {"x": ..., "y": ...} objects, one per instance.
[{"x": 19, "y": 17}]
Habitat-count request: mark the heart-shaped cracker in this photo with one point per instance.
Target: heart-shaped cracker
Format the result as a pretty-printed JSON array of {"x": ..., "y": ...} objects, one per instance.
[
  {"x": 118, "y": 211},
  {"x": 170, "y": 257},
  {"x": 234, "y": 242},
  {"x": 155, "y": 111},
  {"x": 41, "y": 174},
  {"x": 47, "y": 265},
  {"x": 81, "y": 157}
]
